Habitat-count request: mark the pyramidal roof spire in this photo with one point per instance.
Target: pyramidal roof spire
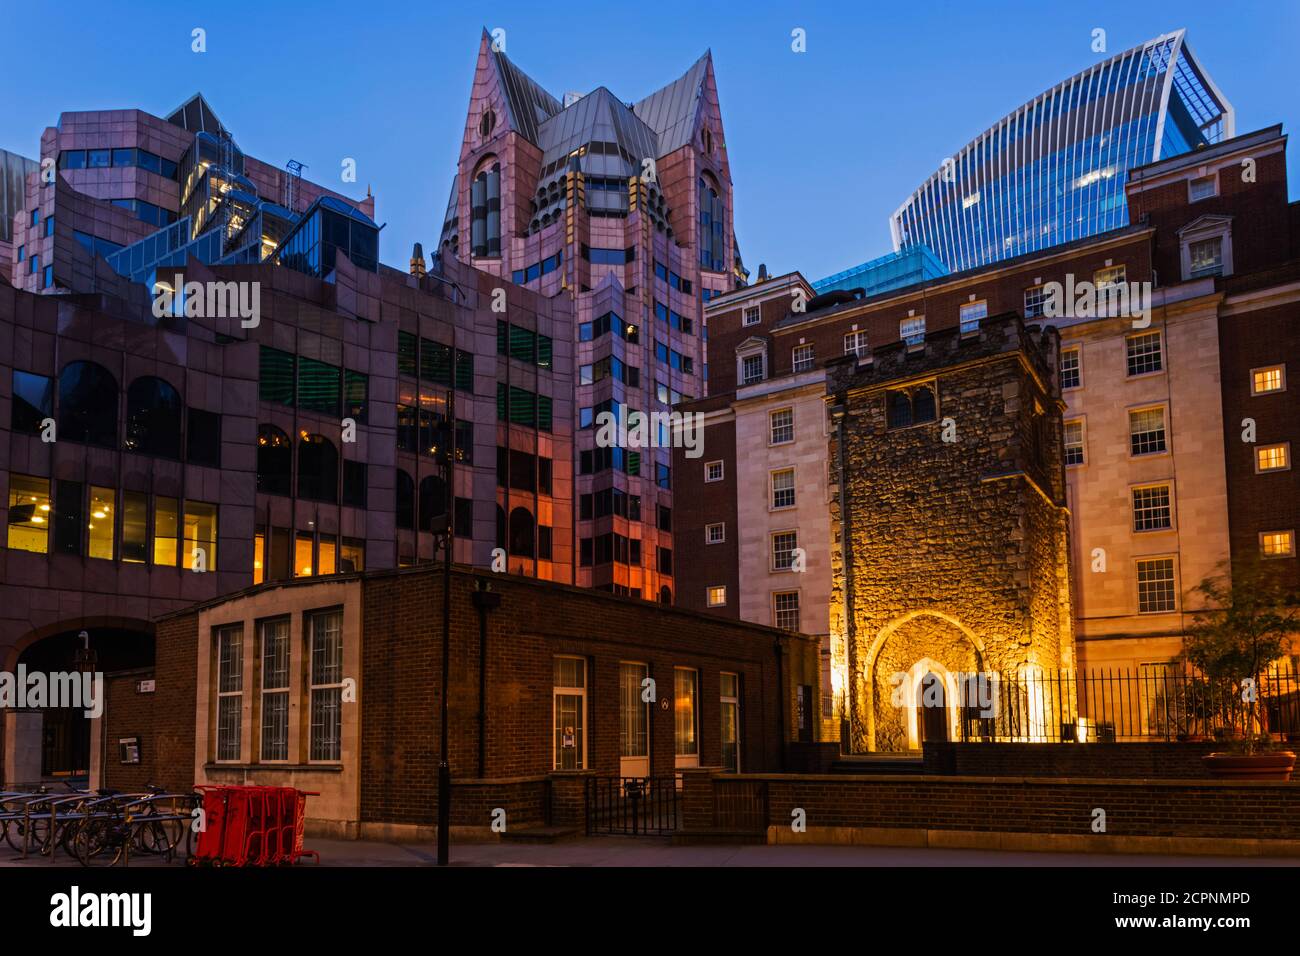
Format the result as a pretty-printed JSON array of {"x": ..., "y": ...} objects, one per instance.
[
  {"x": 671, "y": 111},
  {"x": 528, "y": 104}
]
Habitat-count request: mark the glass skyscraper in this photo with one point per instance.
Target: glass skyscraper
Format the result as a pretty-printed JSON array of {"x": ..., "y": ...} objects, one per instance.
[{"x": 1054, "y": 170}]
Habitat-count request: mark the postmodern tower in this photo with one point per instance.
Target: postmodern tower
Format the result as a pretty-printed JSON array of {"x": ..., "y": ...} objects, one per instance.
[
  {"x": 625, "y": 208},
  {"x": 1054, "y": 170}
]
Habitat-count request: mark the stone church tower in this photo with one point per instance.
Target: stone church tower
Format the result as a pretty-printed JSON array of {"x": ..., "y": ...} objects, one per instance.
[{"x": 947, "y": 483}]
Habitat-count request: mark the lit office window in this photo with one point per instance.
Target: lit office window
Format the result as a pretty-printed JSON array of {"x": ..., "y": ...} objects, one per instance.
[
  {"x": 200, "y": 536},
  {"x": 1273, "y": 457},
  {"x": 1277, "y": 544},
  {"x": 1262, "y": 380},
  {"x": 100, "y": 521},
  {"x": 29, "y": 514},
  {"x": 569, "y": 706},
  {"x": 717, "y": 595},
  {"x": 634, "y": 711},
  {"x": 686, "y": 688}
]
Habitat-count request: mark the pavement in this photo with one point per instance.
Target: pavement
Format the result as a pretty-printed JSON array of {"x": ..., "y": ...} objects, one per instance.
[{"x": 644, "y": 852}]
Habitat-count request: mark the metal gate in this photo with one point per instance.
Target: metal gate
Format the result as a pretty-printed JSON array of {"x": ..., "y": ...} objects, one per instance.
[{"x": 632, "y": 806}]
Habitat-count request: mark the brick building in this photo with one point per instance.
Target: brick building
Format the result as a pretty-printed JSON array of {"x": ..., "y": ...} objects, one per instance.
[
  {"x": 297, "y": 443},
  {"x": 1162, "y": 488},
  {"x": 333, "y": 686}
]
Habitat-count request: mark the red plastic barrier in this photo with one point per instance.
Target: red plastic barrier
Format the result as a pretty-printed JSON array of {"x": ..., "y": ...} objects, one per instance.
[{"x": 252, "y": 826}]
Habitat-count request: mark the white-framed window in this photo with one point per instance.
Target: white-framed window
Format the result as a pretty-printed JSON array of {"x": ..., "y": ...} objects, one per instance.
[
  {"x": 1275, "y": 457},
  {"x": 1146, "y": 431},
  {"x": 1075, "y": 453},
  {"x": 1268, "y": 379},
  {"x": 634, "y": 711},
  {"x": 1205, "y": 247},
  {"x": 716, "y": 595},
  {"x": 230, "y": 690},
  {"x": 275, "y": 689},
  {"x": 715, "y": 533},
  {"x": 783, "y": 488},
  {"x": 686, "y": 729},
  {"x": 784, "y": 545},
  {"x": 1071, "y": 368},
  {"x": 713, "y": 470},
  {"x": 1143, "y": 353},
  {"x": 785, "y": 610},
  {"x": 326, "y": 684},
  {"x": 1206, "y": 257},
  {"x": 801, "y": 358},
  {"x": 752, "y": 368},
  {"x": 781, "y": 426},
  {"x": 855, "y": 343},
  {"x": 1156, "y": 591},
  {"x": 1109, "y": 276},
  {"x": 729, "y": 705},
  {"x": 1035, "y": 302},
  {"x": 1204, "y": 187},
  {"x": 1152, "y": 508},
  {"x": 751, "y": 315},
  {"x": 912, "y": 331},
  {"x": 569, "y": 713},
  {"x": 1277, "y": 544},
  {"x": 971, "y": 314}
]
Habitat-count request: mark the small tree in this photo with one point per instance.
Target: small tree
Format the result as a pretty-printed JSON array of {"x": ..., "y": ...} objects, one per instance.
[{"x": 1251, "y": 617}]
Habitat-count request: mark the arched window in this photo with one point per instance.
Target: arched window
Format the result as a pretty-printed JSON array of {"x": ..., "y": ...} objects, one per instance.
[
  {"x": 433, "y": 501},
  {"x": 501, "y": 527},
  {"x": 485, "y": 211},
  {"x": 521, "y": 533},
  {"x": 665, "y": 595},
  {"x": 88, "y": 404},
  {"x": 899, "y": 410},
  {"x": 486, "y": 123},
  {"x": 274, "y": 461},
  {"x": 923, "y": 409},
  {"x": 318, "y": 469},
  {"x": 405, "y": 500},
  {"x": 153, "y": 418}
]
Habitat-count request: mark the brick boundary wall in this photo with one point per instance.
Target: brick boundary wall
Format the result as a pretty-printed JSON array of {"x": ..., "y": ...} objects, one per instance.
[
  {"x": 1154, "y": 760},
  {"x": 1023, "y": 813}
]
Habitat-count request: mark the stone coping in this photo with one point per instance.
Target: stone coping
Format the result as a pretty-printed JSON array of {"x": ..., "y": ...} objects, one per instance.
[{"x": 903, "y": 779}]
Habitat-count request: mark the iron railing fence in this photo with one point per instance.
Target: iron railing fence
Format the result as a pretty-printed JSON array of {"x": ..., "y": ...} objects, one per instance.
[
  {"x": 1153, "y": 702},
  {"x": 632, "y": 806}
]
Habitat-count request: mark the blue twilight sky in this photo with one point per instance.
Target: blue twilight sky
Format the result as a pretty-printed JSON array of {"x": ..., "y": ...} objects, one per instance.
[{"x": 824, "y": 145}]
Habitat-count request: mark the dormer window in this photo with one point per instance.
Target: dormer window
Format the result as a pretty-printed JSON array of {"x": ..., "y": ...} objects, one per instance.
[
  {"x": 1206, "y": 247},
  {"x": 1206, "y": 187},
  {"x": 751, "y": 369}
]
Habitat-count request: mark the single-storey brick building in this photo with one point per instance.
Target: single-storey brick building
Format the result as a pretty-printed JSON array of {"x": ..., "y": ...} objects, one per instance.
[{"x": 332, "y": 685}]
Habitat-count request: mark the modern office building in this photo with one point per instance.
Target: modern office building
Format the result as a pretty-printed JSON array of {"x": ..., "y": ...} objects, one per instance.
[
  {"x": 14, "y": 170},
  {"x": 153, "y": 458},
  {"x": 1176, "y": 431},
  {"x": 893, "y": 270},
  {"x": 625, "y": 208},
  {"x": 1054, "y": 170}
]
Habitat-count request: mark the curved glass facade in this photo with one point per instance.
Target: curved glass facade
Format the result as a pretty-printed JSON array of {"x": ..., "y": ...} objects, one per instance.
[{"x": 1054, "y": 170}]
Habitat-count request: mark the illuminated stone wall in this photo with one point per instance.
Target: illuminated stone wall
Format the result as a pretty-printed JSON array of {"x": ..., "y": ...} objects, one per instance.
[{"x": 959, "y": 554}]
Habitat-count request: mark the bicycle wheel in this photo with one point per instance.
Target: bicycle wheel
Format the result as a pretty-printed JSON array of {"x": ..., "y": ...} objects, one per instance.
[{"x": 97, "y": 843}]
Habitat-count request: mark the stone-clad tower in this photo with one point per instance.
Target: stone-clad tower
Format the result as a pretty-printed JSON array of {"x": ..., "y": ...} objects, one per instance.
[{"x": 951, "y": 494}]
